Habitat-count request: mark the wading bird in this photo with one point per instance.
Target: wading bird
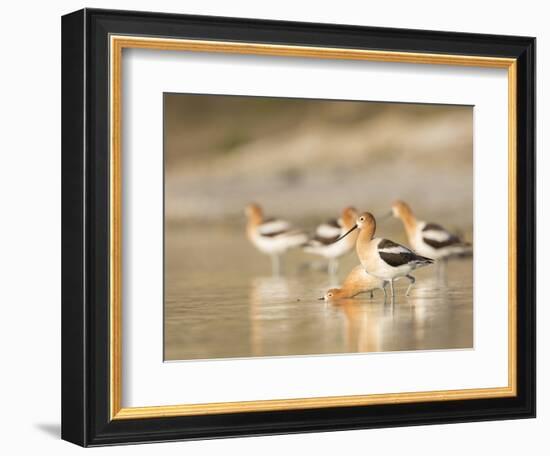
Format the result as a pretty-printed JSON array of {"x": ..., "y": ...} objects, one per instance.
[
  {"x": 357, "y": 281},
  {"x": 383, "y": 258},
  {"x": 326, "y": 234},
  {"x": 428, "y": 239},
  {"x": 272, "y": 236}
]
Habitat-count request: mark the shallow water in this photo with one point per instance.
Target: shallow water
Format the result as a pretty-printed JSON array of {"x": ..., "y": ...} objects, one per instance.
[{"x": 222, "y": 302}]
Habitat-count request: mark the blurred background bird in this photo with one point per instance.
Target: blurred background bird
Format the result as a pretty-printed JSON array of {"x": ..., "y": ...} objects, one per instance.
[
  {"x": 272, "y": 236},
  {"x": 324, "y": 244},
  {"x": 427, "y": 238}
]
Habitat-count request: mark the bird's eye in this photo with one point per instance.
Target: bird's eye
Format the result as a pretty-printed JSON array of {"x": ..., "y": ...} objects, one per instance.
[
  {"x": 330, "y": 295},
  {"x": 362, "y": 219}
]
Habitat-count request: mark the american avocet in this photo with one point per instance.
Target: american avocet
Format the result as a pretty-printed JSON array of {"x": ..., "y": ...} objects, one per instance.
[
  {"x": 324, "y": 242},
  {"x": 428, "y": 239},
  {"x": 357, "y": 281},
  {"x": 272, "y": 236},
  {"x": 383, "y": 258}
]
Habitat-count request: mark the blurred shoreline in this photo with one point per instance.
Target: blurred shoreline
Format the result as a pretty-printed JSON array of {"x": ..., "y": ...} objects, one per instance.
[{"x": 307, "y": 159}]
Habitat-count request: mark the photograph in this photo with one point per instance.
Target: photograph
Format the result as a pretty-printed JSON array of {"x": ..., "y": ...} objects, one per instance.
[{"x": 301, "y": 227}]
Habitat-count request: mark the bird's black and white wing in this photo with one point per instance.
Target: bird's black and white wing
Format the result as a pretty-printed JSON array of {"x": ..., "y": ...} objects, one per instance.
[
  {"x": 398, "y": 255},
  {"x": 329, "y": 229},
  {"x": 325, "y": 234},
  {"x": 438, "y": 237},
  {"x": 274, "y": 227}
]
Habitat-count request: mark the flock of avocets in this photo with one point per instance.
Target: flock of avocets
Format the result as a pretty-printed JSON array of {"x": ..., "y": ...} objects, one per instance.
[{"x": 382, "y": 260}]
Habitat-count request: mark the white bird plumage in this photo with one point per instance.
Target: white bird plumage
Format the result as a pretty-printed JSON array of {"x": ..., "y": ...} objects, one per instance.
[
  {"x": 272, "y": 236},
  {"x": 324, "y": 242}
]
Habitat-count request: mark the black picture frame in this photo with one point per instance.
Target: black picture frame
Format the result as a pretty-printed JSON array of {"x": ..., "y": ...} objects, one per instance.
[{"x": 85, "y": 228}]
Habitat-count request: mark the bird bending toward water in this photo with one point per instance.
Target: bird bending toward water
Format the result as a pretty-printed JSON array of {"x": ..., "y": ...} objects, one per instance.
[
  {"x": 324, "y": 242},
  {"x": 357, "y": 281},
  {"x": 383, "y": 258},
  {"x": 428, "y": 239},
  {"x": 271, "y": 236}
]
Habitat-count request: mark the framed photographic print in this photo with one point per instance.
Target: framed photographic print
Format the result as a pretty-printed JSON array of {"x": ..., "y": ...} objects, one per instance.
[{"x": 278, "y": 227}]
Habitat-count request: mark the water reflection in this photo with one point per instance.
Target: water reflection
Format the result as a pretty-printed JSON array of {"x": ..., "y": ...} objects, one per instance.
[
  {"x": 361, "y": 333},
  {"x": 287, "y": 319},
  {"x": 266, "y": 295},
  {"x": 223, "y": 310}
]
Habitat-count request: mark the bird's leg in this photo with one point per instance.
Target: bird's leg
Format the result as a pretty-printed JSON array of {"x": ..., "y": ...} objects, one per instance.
[
  {"x": 385, "y": 292},
  {"x": 442, "y": 269},
  {"x": 276, "y": 264},
  {"x": 332, "y": 266},
  {"x": 412, "y": 280},
  {"x": 392, "y": 293},
  {"x": 371, "y": 294}
]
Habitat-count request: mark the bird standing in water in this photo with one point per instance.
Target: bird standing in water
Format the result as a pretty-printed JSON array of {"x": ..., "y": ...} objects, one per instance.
[
  {"x": 383, "y": 258},
  {"x": 429, "y": 239},
  {"x": 357, "y": 281},
  {"x": 272, "y": 236},
  {"x": 326, "y": 234}
]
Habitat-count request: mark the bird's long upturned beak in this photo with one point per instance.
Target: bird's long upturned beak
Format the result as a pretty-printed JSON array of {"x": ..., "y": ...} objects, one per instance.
[
  {"x": 386, "y": 216},
  {"x": 344, "y": 235},
  {"x": 322, "y": 298}
]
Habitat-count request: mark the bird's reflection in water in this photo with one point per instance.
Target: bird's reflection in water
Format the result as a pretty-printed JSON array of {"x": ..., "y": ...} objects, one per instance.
[
  {"x": 286, "y": 319},
  {"x": 431, "y": 318},
  {"x": 377, "y": 325},
  {"x": 362, "y": 332},
  {"x": 265, "y": 293}
]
